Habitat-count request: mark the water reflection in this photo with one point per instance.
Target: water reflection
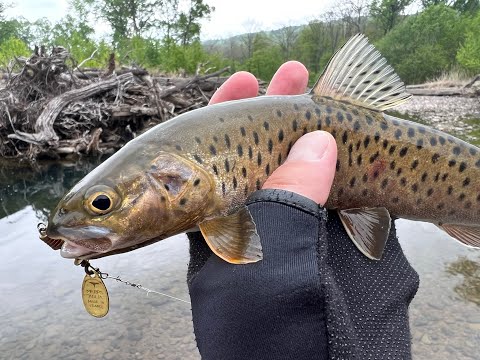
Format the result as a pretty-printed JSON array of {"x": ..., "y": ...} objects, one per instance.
[
  {"x": 42, "y": 314},
  {"x": 469, "y": 288}
]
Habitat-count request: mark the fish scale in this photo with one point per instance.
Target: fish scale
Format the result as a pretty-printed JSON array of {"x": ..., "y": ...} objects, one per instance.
[{"x": 198, "y": 169}]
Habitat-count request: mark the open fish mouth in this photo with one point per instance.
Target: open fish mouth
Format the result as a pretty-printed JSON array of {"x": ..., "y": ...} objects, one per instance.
[{"x": 85, "y": 248}]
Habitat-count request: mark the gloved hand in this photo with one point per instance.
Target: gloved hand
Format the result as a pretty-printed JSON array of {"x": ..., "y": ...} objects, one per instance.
[{"x": 314, "y": 295}]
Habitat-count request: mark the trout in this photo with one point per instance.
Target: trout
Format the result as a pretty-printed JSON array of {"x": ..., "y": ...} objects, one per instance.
[{"x": 198, "y": 169}]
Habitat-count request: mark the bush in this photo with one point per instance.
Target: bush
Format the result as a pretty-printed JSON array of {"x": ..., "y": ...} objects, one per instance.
[
  {"x": 468, "y": 55},
  {"x": 11, "y": 48}
]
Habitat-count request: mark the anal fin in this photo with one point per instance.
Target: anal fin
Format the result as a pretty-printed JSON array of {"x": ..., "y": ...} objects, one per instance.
[
  {"x": 233, "y": 238},
  {"x": 467, "y": 234},
  {"x": 368, "y": 228}
]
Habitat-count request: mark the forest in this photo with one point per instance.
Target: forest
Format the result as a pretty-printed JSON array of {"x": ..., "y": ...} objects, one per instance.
[{"x": 440, "y": 37}]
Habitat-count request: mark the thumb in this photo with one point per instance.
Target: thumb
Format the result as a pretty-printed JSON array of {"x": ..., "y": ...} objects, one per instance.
[{"x": 309, "y": 168}]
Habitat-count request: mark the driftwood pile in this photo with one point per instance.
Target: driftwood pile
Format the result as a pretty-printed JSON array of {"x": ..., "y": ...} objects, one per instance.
[{"x": 50, "y": 108}]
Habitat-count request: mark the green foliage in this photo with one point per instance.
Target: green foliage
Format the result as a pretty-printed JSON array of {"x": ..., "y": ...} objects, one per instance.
[
  {"x": 10, "y": 49},
  {"x": 266, "y": 58},
  {"x": 468, "y": 55},
  {"x": 388, "y": 12},
  {"x": 424, "y": 45}
]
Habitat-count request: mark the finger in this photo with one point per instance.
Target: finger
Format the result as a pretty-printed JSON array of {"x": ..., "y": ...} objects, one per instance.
[
  {"x": 309, "y": 168},
  {"x": 240, "y": 85},
  {"x": 290, "y": 79}
]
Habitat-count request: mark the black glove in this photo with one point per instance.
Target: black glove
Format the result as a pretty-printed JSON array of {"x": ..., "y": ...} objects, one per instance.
[{"x": 313, "y": 296}]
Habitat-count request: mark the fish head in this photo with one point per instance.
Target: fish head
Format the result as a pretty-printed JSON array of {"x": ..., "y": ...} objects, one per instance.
[{"x": 118, "y": 207}]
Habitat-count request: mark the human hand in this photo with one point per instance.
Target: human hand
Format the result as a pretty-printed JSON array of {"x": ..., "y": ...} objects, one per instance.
[{"x": 310, "y": 166}]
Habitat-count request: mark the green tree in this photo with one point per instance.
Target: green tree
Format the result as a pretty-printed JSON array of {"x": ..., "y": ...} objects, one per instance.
[
  {"x": 468, "y": 55},
  {"x": 12, "y": 48},
  {"x": 388, "y": 13},
  {"x": 188, "y": 24}
]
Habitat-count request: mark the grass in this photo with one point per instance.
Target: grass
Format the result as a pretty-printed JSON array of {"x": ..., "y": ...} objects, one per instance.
[
  {"x": 474, "y": 135},
  {"x": 454, "y": 77}
]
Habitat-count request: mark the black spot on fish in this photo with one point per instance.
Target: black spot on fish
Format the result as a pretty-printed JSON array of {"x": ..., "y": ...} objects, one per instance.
[
  {"x": 234, "y": 182},
  {"x": 267, "y": 169},
  {"x": 270, "y": 146},
  {"x": 450, "y": 190},
  {"x": 392, "y": 149},
  {"x": 318, "y": 111},
  {"x": 437, "y": 176},
  {"x": 433, "y": 141},
  {"x": 444, "y": 176},
  {"x": 266, "y": 125},
  {"x": 355, "y": 112},
  {"x": 245, "y": 190},
  {"x": 196, "y": 182},
  {"x": 352, "y": 181},
  {"x": 215, "y": 169},
  {"x": 227, "y": 141},
  {"x": 429, "y": 192},
  {"x": 419, "y": 201},
  {"x": 250, "y": 117},
  {"x": 441, "y": 140},
  {"x": 340, "y": 192},
  {"x": 456, "y": 150},
  {"x": 345, "y": 137},
  {"x": 364, "y": 192},
  {"x": 466, "y": 182},
  {"x": 403, "y": 151},
  {"x": 279, "y": 113},
  {"x": 328, "y": 121},
  {"x": 349, "y": 117},
  {"x": 419, "y": 144},
  {"x": 374, "y": 157},
  {"x": 329, "y": 109},
  {"x": 250, "y": 152},
  {"x": 227, "y": 165},
  {"x": 452, "y": 163},
  {"x": 384, "y": 183},
  {"x": 375, "y": 174},
  {"x": 294, "y": 125},
  {"x": 414, "y": 164},
  {"x": 259, "y": 159},
  {"x": 279, "y": 160},
  {"x": 399, "y": 171},
  {"x": 242, "y": 131},
  {"x": 244, "y": 172},
  {"x": 221, "y": 120},
  {"x": 451, "y": 212},
  {"x": 366, "y": 141},
  {"x": 166, "y": 187},
  {"x": 213, "y": 150},
  {"x": 334, "y": 134},
  {"x": 424, "y": 176},
  {"x": 385, "y": 143},
  {"x": 415, "y": 188},
  {"x": 383, "y": 125},
  {"x": 392, "y": 165},
  {"x": 468, "y": 205},
  {"x": 197, "y": 139},
  {"x": 280, "y": 135},
  {"x": 421, "y": 129},
  {"x": 178, "y": 147},
  {"x": 477, "y": 164},
  {"x": 215, "y": 139},
  {"x": 394, "y": 121},
  {"x": 308, "y": 115},
  {"x": 319, "y": 124},
  {"x": 183, "y": 201},
  {"x": 462, "y": 167},
  {"x": 472, "y": 151},
  {"x": 461, "y": 197},
  {"x": 411, "y": 132},
  {"x": 290, "y": 144},
  {"x": 395, "y": 200},
  {"x": 258, "y": 185},
  {"x": 435, "y": 157},
  {"x": 198, "y": 159},
  {"x": 398, "y": 134},
  {"x": 305, "y": 130},
  {"x": 163, "y": 198},
  {"x": 337, "y": 166},
  {"x": 255, "y": 137},
  {"x": 359, "y": 159},
  {"x": 370, "y": 121},
  {"x": 239, "y": 150},
  {"x": 224, "y": 189},
  {"x": 356, "y": 126},
  {"x": 441, "y": 206},
  {"x": 365, "y": 178},
  {"x": 340, "y": 117},
  {"x": 403, "y": 181}
]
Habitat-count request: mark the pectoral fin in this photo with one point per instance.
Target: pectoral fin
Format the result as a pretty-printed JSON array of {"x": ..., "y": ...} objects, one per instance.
[
  {"x": 467, "y": 234},
  {"x": 233, "y": 238},
  {"x": 368, "y": 228}
]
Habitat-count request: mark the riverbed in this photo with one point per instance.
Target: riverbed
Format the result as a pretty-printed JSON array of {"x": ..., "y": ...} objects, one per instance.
[{"x": 42, "y": 314}]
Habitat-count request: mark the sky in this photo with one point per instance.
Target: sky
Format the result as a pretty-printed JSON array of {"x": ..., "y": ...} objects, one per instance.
[{"x": 229, "y": 18}]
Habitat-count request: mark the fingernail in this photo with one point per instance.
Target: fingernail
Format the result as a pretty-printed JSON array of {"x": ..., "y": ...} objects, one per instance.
[{"x": 310, "y": 147}]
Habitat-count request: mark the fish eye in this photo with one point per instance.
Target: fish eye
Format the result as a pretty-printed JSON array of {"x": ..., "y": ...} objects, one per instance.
[{"x": 100, "y": 200}]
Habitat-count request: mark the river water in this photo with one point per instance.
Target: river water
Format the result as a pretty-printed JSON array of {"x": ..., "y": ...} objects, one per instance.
[{"x": 42, "y": 314}]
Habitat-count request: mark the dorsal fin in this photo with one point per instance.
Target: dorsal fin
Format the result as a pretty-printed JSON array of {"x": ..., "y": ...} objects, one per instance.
[{"x": 359, "y": 74}]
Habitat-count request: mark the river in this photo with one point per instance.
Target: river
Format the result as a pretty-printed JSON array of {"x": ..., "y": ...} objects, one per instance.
[{"x": 42, "y": 314}]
